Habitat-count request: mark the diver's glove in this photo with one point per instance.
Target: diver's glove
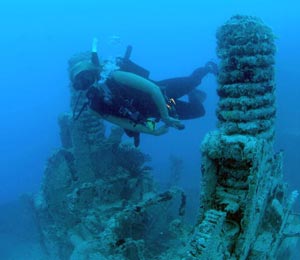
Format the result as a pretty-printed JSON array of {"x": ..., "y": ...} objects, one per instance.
[{"x": 212, "y": 67}]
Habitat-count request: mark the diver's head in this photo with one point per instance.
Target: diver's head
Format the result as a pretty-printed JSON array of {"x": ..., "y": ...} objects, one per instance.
[{"x": 83, "y": 74}]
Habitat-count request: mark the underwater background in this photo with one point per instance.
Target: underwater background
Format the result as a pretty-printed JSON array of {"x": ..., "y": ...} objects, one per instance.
[{"x": 170, "y": 38}]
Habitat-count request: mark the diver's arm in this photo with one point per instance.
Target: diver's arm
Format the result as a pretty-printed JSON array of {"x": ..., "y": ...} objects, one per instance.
[
  {"x": 127, "y": 124},
  {"x": 95, "y": 58},
  {"x": 137, "y": 82}
]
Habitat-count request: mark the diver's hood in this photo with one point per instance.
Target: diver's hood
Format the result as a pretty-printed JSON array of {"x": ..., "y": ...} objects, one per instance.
[{"x": 81, "y": 66}]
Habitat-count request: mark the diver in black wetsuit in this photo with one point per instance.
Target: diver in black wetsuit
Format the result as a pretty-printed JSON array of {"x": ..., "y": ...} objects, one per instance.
[
  {"x": 173, "y": 89},
  {"x": 131, "y": 100}
]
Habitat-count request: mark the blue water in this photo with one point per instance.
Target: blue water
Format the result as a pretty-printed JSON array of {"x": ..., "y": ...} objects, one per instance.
[{"x": 170, "y": 38}]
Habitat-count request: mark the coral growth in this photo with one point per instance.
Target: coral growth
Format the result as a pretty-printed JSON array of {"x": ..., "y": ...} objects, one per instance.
[{"x": 245, "y": 210}]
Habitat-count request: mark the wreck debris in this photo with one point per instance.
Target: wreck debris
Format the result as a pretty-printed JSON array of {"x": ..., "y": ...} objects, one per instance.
[
  {"x": 97, "y": 199},
  {"x": 245, "y": 210}
]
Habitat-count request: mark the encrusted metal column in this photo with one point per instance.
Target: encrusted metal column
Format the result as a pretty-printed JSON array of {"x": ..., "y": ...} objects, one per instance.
[
  {"x": 246, "y": 80},
  {"x": 244, "y": 206}
]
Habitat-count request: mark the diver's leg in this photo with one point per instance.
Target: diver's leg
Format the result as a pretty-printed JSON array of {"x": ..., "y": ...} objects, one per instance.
[
  {"x": 193, "y": 108},
  {"x": 178, "y": 87}
]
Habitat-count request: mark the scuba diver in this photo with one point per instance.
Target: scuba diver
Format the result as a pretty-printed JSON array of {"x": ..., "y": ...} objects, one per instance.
[{"x": 124, "y": 95}]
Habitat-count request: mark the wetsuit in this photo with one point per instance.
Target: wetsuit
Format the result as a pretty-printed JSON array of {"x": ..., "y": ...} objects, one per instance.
[
  {"x": 173, "y": 88},
  {"x": 124, "y": 101}
]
